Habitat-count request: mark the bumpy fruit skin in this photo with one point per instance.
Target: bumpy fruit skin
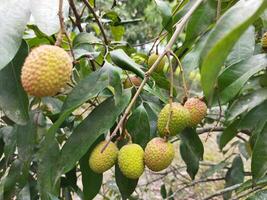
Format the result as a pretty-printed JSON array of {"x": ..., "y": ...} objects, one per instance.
[
  {"x": 151, "y": 60},
  {"x": 179, "y": 120},
  {"x": 101, "y": 162},
  {"x": 263, "y": 80},
  {"x": 197, "y": 109},
  {"x": 46, "y": 70},
  {"x": 264, "y": 40},
  {"x": 131, "y": 161},
  {"x": 158, "y": 154},
  {"x": 133, "y": 81}
]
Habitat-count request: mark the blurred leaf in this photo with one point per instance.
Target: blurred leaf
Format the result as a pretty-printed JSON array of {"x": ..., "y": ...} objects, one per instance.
[
  {"x": 234, "y": 175},
  {"x": 15, "y": 15},
  {"x": 99, "y": 121},
  {"x": 214, "y": 169},
  {"x": 122, "y": 60},
  {"x": 224, "y": 35},
  {"x": 228, "y": 134},
  {"x": 163, "y": 191},
  {"x": 163, "y": 82},
  {"x": 138, "y": 126},
  {"x": 91, "y": 181},
  {"x": 125, "y": 185},
  {"x": 246, "y": 103},
  {"x": 153, "y": 118},
  {"x": 113, "y": 16},
  {"x": 85, "y": 38},
  {"x": 117, "y": 32},
  {"x": 259, "y": 155},
  {"x": 192, "y": 150},
  {"x": 252, "y": 183},
  {"x": 9, "y": 138},
  {"x": 13, "y": 99},
  {"x": 234, "y": 77},
  {"x": 24, "y": 194},
  {"x": 260, "y": 195},
  {"x": 244, "y": 48},
  {"x": 45, "y": 14},
  {"x": 166, "y": 14}
]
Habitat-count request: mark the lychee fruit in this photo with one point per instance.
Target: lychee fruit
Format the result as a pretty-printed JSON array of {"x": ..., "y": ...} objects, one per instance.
[
  {"x": 197, "y": 109},
  {"x": 131, "y": 161},
  {"x": 152, "y": 59},
  {"x": 132, "y": 80},
  {"x": 179, "y": 120},
  {"x": 158, "y": 154},
  {"x": 101, "y": 162},
  {"x": 46, "y": 70}
]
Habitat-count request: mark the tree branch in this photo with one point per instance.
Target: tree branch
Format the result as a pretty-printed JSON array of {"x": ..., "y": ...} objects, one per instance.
[
  {"x": 97, "y": 20},
  {"x": 178, "y": 30},
  {"x": 76, "y": 14}
]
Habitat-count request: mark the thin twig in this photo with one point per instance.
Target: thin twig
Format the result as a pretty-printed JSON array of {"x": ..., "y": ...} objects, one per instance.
[
  {"x": 76, "y": 14},
  {"x": 97, "y": 21},
  {"x": 219, "y": 8},
  {"x": 179, "y": 28},
  {"x": 63, "y": 30}
]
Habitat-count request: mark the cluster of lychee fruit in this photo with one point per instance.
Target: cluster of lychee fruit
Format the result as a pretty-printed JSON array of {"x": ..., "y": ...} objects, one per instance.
[{"x": 158, "y": 153}]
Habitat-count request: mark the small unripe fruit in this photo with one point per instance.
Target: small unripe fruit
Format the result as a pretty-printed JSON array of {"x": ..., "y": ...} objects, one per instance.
[
  {"x": 101, "y": 162},
  {"x": 263, "y": 80},
  {"x": 158, "y": 154},
  {"x": 133, "y": 80},
  {"x": 131, "y": 161},
  {"x": 179, "y": 119},
  {"x": 46, "y": 70},
  {"x": 152, "y": 59},
  {"x": 264, "y": 40},
  {"x": 197, "y": 109}
]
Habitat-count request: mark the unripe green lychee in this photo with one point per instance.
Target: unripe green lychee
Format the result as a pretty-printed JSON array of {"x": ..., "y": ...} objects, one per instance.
[
  {"x": 152, "y": 59},
  {"x": 179, "y": 119},
  {"x": 197, "y": 109},
  {"x": 158, "y": 154},
  {"x": 264, "y": 41},
  {"x": 133, "y": 80},
  {"x": 263, "y": 80},
  {"x": 101, "y": 162},
  {"x": 46, "y": 70},
  {"x": 131, "y": 161}
]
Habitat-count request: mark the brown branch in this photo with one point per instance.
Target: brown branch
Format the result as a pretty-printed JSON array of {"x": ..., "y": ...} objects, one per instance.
[
  {"x": 97, "y": 21},
  {"x": 219, "y": 8},
  {"x": 178, "y": 30},
  {"x": 76, "y": 14},
  {"x": 63, "y": 30}
]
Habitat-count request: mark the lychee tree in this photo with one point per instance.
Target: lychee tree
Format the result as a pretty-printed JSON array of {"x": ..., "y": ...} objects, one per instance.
[{"x": 97, "y": 98}]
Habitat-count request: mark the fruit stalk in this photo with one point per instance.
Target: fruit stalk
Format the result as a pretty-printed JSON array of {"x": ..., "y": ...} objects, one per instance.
[{"x": 179, "y": 27}]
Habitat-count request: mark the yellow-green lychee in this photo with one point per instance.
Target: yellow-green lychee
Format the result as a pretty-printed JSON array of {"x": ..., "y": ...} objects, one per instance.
[
  {"x": 263, "y": 80},
  {"x": 133, "y": 80},
  {"x": 158, "y": 154},
  {"x": 131, "y": 161},
  {"x": 101, "y": 162},
  {"x": 179, "y": 120},
  {"x": 152, "y": 59},
  {"x": 46, "y": 70},
  {"x": 197, "y": 109},
  {"x": 264, "y": 41}
]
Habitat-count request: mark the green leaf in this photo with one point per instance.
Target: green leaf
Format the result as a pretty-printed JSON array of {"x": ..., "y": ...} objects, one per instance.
[
  {"x": 86, "y": 89},
  {"x": 125, "y": 185},
  {"x": 214, "y": 169},
  {"x": 91, "y": 181},
  {"x": 224, "y": 35},
  {"x": 14, "y": 15},
  {"x": 260, "y": 195},
  {"x": 246, "y": 103},
  {"x": 99, "y": 121},
  {"x": 228, "y": 134},
  {"x": 166, "y": 14},
  {"x": 234, "y": 175},
  {"x": 259, "y": 155},
  {"x": 200, "y": 20},
  {"x": 192, "y": 150},
  {"x": 152, "y": 117},
  {"x": 122, "y": 60},
  {"x": 138, "y": 126},
  {"x": 10, "y": 140},
  {"x": 244, "y": 48},
  {"x": 233, "y": 78},
  {"x": 13, "y": 99},
  {"x": 117, "y": 32},
  {"x": 45, "y": 14},
  {"x": 163, "y": 191},
  {"x": 252, "y": 183},
  {"x": 85, "y": 38}
]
